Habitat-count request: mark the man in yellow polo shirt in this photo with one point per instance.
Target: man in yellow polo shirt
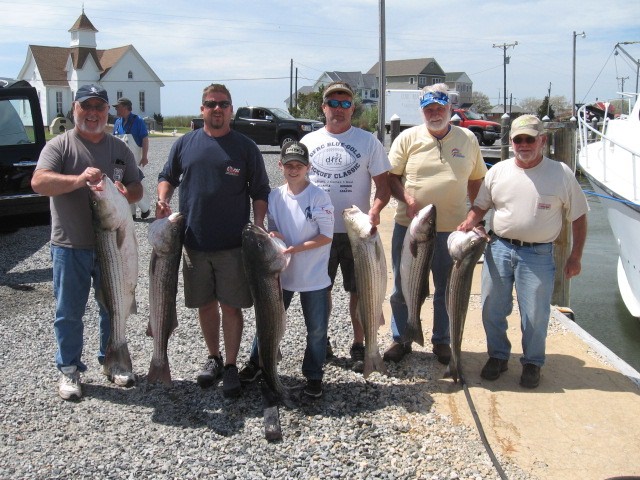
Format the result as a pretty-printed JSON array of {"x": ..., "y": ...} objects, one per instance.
[{"x": 433, "y": 163}]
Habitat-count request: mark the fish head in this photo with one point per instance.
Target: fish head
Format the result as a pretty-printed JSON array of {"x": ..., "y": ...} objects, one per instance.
[
  {"x": 261, "y": 252},
  {"x": 357, "y": 223},
  {"x": 110, "y": 208},
  {"x": 423, "y": 225},
  {"x": 165, "y": 234},
  {"x": 463, "y": 245}
]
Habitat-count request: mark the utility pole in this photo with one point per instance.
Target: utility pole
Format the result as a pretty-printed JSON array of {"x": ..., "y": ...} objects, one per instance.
[
  {"x": 291, "y": 85},
  {"x": 382, "y": 90},
  {"x": 549, "y": 100},
  {"x": 622, "y": 79},
  {"x": 505, "y": 61},
  {"x": 573, "y": 91}
]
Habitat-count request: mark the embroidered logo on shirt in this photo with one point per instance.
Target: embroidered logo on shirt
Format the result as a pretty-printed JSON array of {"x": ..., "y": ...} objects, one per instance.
[
  {"x": 307, "y": 213},
  {"x": 235, "y": 172},
  {"x": 544, "y": 206},
  {"x": 456, "y": 153}
]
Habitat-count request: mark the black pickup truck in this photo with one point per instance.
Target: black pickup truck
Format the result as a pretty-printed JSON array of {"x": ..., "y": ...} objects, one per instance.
[
  {"x": 21, "y": 140},
  {"x": 272, "y": 126}
]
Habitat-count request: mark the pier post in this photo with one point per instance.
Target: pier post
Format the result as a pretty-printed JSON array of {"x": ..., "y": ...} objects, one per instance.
[
  {"x": 394, "y": 127},
  {"x": 505, "y": 128},
  {"x": 561, "y": 146}
]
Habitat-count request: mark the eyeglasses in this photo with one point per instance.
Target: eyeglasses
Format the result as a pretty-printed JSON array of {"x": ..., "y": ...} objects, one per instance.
[
  {"x": 524, "y": 138},
  {"x": 339, "y": 103},
  {"x": 213, "y": 104},
  {"x": 98, "y": 107}
]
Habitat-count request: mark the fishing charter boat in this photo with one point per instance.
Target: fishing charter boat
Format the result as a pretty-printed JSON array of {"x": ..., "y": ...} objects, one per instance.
[{"x": 610, "y": 159}]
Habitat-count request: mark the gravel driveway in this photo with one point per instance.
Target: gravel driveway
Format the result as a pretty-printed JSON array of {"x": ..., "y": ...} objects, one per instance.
[{"x": 383, "y": 428}]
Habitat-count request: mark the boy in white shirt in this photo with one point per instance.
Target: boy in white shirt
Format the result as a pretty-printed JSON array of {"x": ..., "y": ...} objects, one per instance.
[{"x": 301, "y": 214}]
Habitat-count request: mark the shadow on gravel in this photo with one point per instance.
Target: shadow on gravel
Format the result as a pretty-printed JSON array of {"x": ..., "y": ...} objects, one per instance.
[
  {"x": 21, "y": 238},
  {"x": 186, "y": 405}
]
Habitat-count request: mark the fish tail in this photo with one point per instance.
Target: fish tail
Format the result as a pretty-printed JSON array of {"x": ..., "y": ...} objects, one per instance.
[
  {"x": 452, "y": 371},
  {"x": 414, "y": 333},
  {"x": 159, "y": 371},
  {"x": 118, "y": 358},
  {"x": 373, "y": 363}
]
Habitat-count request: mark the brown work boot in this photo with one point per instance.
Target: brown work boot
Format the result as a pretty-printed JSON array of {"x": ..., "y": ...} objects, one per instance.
[
  {"x": 443, "y": 352},
  {"x": 396, "y": 351}
]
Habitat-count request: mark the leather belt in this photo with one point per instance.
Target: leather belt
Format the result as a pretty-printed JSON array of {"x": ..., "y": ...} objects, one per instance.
[{"x": 517, "y": 243}]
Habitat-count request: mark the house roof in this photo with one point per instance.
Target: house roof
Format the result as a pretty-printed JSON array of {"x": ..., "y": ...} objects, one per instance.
[
  {"x": 411, "y": 66},
  {"x": 83, "y": 23},
  {"x": 51, "y": 61},
  {"x": 453, "y": 76},
  {"x": 355, "y": 79}
]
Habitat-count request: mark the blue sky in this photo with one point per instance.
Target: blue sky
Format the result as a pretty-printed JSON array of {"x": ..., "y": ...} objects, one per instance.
[{"x": 248, "y": 45}]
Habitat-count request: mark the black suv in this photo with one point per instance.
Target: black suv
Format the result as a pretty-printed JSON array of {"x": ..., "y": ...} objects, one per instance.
[{"x": 21, "y": 141}]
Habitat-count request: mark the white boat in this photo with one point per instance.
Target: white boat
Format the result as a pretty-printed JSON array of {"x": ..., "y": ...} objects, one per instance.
[{"x": 610, "y": 159}]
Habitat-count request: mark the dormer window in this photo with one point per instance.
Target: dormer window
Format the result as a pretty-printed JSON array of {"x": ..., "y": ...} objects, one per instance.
[{"x": 130, "y": 75}]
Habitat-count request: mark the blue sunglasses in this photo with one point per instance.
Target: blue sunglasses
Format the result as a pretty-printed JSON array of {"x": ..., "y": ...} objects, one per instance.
[{"x": 336, "y": 103}]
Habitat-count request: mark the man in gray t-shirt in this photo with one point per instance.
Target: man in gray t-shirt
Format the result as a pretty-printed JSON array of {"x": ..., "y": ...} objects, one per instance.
[{"x": 65, "y": 166}]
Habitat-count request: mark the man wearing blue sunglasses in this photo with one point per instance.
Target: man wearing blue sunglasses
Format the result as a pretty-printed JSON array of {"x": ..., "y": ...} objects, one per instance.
[{"x": 344, "y": 159}]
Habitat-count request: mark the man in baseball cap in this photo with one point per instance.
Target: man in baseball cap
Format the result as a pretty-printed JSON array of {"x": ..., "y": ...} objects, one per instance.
[
  {"x": 86, "y": 92},
  {"x": 526, "y": 125}
]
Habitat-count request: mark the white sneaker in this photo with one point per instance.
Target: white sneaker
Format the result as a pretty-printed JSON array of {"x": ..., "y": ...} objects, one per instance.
[
  {"x": 119, "y": 377},
  {"x": 69, "y": 387}
]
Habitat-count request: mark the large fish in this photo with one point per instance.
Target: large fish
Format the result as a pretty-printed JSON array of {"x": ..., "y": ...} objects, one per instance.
[
  {"x": 165, "y": 238},
  {"x": 371, "y": 282},
  {"x": 263, "y": 261},
  {"x": 465, "y": 249},
  {"x": 117, "y": 249},
  {"x": 415, "y": 265}
]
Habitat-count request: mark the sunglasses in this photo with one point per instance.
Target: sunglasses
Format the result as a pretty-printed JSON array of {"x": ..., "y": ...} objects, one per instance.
[
  {"x": 338, "y": 103},
  {"x": 97, "y": 107},
  {"x": 213, "y": 104},
  {"x": 524, "y": 139}
]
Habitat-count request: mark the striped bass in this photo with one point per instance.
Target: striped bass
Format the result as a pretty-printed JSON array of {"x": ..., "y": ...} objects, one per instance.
[
  {"x": 415, "y": 265},
  {"x": 117, "y": 249},
  {"x": 371, "y": 282},
  {"x": 465, "y": 249},
  {"x": 263, "y": 261},
  {"x": 165, "y": 237}
]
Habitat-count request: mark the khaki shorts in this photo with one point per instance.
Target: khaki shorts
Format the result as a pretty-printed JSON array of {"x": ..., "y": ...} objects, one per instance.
[
  {"x": 210, "y": 276},
  {"x": 342, "y": 255}
]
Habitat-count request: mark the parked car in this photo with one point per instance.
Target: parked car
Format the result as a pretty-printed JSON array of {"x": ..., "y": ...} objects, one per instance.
[
  {"x": 22, "y": 138},
  {"x": 272, "y": 126}
]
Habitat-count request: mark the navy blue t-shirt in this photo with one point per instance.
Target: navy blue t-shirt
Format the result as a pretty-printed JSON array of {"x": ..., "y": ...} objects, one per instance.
[{"x": 217, "y": 176}]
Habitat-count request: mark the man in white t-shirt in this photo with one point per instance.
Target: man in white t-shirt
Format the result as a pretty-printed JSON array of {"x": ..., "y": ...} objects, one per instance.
[
  {"x": 344, "y": 160},
  {"x": 530, "y": 195}
]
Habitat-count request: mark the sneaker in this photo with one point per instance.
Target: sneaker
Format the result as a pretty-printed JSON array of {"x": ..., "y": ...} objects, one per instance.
[
  {"x": 313, "y": 388},
  {"x": 119, "y": 377},
  {"x": 145, "y": 214},
  {"x": 69, "y": 387},
  {"x": 249, "y": 373},
  {"x": 396, "y": 351},
  {"x": 211, "y": 371},
  {"x": 231, "y": 386},
  {"x": 530, "y": 375},
  {"x": 357, "y": 352},
  {"x": 443, "y": 352},
  {"x": 329, "y": 355},
  {"x": 493, "y": 368}
]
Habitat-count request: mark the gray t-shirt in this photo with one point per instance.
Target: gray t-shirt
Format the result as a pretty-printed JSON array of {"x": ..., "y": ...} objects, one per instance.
[{"x": 70, "y": 154}]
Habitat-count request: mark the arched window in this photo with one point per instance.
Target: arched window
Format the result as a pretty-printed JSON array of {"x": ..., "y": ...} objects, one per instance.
[{"x": 130, "y": 75}]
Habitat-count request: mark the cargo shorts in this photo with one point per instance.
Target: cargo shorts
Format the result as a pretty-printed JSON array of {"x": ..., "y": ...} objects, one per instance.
[{"x": 218, "y": 275}]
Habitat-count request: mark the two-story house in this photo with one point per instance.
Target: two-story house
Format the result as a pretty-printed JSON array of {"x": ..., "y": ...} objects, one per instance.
[{"x": 409, "y": 74}]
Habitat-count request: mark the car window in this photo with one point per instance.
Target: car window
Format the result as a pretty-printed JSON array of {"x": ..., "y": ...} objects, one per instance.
[{"x": 16, "y": 123}]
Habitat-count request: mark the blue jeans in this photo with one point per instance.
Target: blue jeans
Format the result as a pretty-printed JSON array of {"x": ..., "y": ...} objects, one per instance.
[
  {"x": 315, "y": 308},
  {"x": 532, "y": 270},
  {"x": 440, "y": 268},
  {"x": 73, "y": 271}
]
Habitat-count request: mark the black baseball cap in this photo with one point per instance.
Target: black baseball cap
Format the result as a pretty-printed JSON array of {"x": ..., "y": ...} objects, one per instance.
[{"x": 86, "y": 92}]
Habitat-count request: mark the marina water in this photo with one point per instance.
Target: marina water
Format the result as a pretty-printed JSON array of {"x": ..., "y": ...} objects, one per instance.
[{"x": 595, "y": 299}]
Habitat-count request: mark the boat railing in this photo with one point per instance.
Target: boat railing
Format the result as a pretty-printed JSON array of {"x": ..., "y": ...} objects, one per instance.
[{"x": 587, "y": 134}]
